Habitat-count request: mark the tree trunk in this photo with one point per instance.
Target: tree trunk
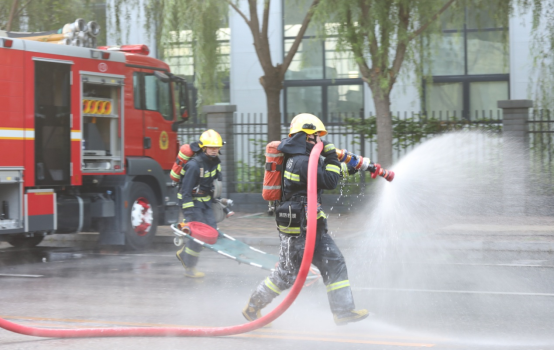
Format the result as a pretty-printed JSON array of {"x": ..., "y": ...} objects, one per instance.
[
  {"x": 273, "y": 95},
  {"x": 12, "y": 14},
  {"x": 381, "y": 100}
]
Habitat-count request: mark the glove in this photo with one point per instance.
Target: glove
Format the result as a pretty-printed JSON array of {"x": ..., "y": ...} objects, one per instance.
[
  {"x": 352, "y": 170},
  {"x": 374, "y": 169},
  {"x": 329, "y": 152}
]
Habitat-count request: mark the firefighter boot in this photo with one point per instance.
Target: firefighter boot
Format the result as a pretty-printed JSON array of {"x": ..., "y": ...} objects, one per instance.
[
  {"x": 189, "y": 271},
  {"x": 251, "y": 313},
  {"x": 342, "y": 318}
]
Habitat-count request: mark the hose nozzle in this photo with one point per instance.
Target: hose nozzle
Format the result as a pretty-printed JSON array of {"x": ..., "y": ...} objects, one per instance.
[{"x": 363, "y": 163}]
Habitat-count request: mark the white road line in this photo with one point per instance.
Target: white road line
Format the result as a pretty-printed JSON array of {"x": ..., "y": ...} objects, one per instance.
[
  {"x": 455, "y": 291},
  {"x": 24, "y": 276}
]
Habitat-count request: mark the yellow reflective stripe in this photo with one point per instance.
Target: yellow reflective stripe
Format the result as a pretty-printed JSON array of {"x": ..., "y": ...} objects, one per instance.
[
  {"x": 188, "y": 205},
  {"x": 202, "y": 199},
  {"x": 333, "y": 168},
  {"x": 328, "y": 148},
  {"x": 338, "y": 285},
  {"x": 344, "y": 169},
  {"x": 272, "y": 286},
  {"x": 219, "y": 167},
  {"x": 175, "y": 175},
  {"x": 183, "y": 172},
  {"x": 183, "y": 156},
  {"x": 291, "y": 176},
  {"x": 210, "y": 174},
  {"x": 191, "y": 252},
  {"x": 291, "y": 230},
  {"x": 321, "y": 214},
  {"x": 179, "y": 196}
]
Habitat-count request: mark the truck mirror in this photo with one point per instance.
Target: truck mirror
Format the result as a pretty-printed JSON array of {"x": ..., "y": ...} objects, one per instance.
[{"x": 163, "y": 77}]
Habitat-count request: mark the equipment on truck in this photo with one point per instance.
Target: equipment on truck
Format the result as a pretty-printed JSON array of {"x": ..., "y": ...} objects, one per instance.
[{"x": 91, "y": 135}]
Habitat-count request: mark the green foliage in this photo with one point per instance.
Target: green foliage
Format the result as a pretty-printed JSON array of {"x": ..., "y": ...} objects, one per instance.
[
  {"x": 45, "y": 15},
  {"x": 408, "y": 132},
  {"x": 177, "y": 22},
  {"x": 249, "y": 177}
]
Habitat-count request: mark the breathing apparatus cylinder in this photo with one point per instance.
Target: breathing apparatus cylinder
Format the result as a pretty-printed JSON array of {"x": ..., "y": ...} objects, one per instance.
[{"x": 363, "y": 163}]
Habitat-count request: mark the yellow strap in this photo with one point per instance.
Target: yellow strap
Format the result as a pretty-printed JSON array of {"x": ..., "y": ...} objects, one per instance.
[
  {"x": 182, "y": 155},
  {"x": 289, "y": 230},
  {"x": 338, "y": 285},
  {"x": 272, "y": 286},
  {"x": 291, "y": 176},
  {"x": 202, "y": 199},
  {"x": 333, "y": 168}
]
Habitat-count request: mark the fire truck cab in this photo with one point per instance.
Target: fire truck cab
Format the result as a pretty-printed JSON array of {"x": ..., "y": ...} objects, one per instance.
[{"x": 87, "y": 140}]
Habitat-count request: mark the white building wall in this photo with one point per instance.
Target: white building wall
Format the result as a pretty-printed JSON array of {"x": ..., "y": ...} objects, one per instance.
[
  {"x": 246, "y": 92},
  {"x": 133, "y": 31},
  {"x": 521, "y": 58}
]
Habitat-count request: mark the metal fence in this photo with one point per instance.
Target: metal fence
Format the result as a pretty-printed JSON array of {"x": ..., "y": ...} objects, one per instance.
[{"x": 357, "y": 133}]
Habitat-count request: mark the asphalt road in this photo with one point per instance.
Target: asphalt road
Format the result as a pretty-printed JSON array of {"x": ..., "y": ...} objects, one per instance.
[{"x": 441, "y": 300}]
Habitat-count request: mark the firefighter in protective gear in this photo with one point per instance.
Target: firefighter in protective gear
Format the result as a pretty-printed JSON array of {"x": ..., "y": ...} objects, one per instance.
[
  {"x": 305, "y": 131},
  {"x": 196, "y": 193}
]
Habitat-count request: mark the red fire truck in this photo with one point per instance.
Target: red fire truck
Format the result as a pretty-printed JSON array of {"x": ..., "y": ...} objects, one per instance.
[{"x": 87, "y": 140}]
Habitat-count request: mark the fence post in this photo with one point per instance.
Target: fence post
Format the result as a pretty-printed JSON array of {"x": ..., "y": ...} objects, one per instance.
[
  {"x": 515, "y": 150},
  {"x": 220, "y": 118}
]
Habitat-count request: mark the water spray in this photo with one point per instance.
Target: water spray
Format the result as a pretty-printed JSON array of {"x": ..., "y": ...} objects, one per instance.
[{"x": 363, "y": 163}]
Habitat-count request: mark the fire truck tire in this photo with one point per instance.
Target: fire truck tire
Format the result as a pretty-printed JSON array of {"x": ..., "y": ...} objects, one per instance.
[
  {"x": 143, "y": 217},
  {"x": 25, "y": 242}
]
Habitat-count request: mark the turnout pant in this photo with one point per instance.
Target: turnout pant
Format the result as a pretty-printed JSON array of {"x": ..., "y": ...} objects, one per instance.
[
  {"x": 190, "y": 252},
  {"x": 327, "y": 258}
]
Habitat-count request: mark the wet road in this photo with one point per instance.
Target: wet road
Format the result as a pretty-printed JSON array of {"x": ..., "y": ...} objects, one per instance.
[{"x": 462, "y": 302}]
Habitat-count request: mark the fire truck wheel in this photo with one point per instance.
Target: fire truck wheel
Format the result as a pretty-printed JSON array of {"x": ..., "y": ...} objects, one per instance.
[
  {"x": 25, "y": 242},
  {"x": 143, "y": 216}
]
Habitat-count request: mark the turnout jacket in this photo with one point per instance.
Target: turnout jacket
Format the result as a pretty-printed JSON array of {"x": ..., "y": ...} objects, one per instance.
[
  {"x": 297, "y": 154},
  {"x": 197, "y": 181}
]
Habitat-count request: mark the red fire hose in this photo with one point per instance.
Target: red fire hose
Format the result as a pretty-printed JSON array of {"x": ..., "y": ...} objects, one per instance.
[{"x": 201, "y": 332}]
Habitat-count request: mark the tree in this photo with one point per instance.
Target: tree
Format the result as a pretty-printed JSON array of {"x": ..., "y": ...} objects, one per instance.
[
  {"x": 384, "y": 36},
  {"x": 44, "y": 15},
  {"x": 203, "y": 18}
]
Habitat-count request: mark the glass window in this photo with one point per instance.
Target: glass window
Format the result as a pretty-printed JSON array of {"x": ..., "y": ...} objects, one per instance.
[
  {"x": 443, "y": 98},
  {"x": 481, "y": 18},
  {"x": 344, "y": 101},
  {"x": 339, "y": 65},
  {"x": 136, "y": 91},
  {"x": 302, "y": 99},
  {"x": 157, "y": 96},
  {"x": 308, "y": 61},
  {"x": 487, "y": 53},
  {"x": 484, "y": 95},
  {"x": 447, "y": 54},
  {"x": 295, "y": 11}
]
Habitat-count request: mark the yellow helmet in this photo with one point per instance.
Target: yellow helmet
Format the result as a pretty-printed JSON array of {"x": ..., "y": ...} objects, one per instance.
[
  {"x": 308, "y": 123},
  {"x": 210, "y": 138}
]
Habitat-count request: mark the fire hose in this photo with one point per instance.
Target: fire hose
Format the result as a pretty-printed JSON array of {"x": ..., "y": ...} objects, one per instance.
[
  {"x": 204, "y": 332},
  {"x": 363, "y": 163}
]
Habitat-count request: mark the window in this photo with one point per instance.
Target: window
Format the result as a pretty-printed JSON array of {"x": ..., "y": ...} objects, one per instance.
[
  {"x": 180, "y": 58},
  {"x": 136, "y": 91},
  {"x": 320, "y": 79},
  {"x": 469, "y": 65},
  {"x": 157, "y": 96}
]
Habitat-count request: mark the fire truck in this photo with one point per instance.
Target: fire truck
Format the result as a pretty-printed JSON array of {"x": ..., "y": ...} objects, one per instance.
[{"x": 87, "y": 140}]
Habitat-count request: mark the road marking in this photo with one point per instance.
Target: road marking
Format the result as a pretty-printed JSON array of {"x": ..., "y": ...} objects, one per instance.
[
  {"x": 455, "y": 291},
  {"x": 24, "y": 276},
  {"x": 279, "y": 334},
  {"x": 335, "y": 340}
]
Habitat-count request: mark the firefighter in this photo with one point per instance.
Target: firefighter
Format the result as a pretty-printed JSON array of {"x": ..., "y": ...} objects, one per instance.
[
  {"x": 196, "y": 194},
  {"x": 306, "y": 130}
]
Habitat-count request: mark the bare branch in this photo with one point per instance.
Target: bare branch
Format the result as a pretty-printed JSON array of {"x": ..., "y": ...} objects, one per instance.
[
  {"x": 435, "y": 16},
  {"x": 238, "y": 11},
  {"x": 265, "y": 20},
  {"x": 298, "y": 39},
  {"x": 12, "y": 13}
]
